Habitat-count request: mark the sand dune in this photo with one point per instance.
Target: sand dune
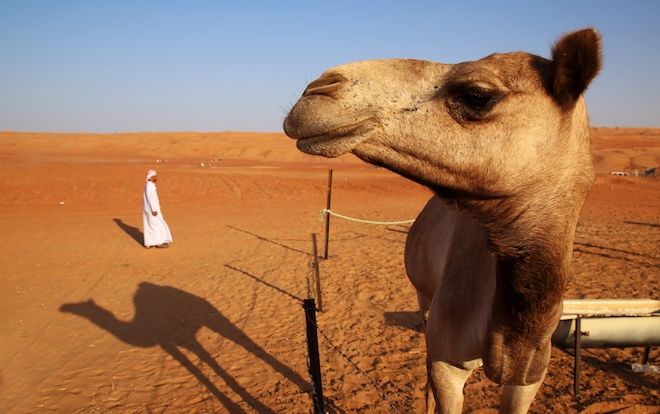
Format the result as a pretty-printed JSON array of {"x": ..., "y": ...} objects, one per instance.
[{"x": 93, "y": 322}]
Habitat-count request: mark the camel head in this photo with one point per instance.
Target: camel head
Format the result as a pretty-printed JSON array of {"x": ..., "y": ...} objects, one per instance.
[
  {"x": 481, "y": 131},
  {"x": 80, "y": 308}
]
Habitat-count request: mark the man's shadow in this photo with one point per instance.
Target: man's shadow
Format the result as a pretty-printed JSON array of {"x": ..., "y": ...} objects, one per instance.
[
  {"x": 170, "y": 318},
  {"x": 134, "y": 232}
]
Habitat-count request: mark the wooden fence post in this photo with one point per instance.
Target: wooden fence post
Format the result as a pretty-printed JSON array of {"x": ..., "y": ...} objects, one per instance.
[
  {"x": 317, "y": 276},
  {"x": 327, "y": 215}
]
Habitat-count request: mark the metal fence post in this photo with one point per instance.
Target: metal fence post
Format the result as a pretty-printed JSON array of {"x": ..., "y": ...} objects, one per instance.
[
  {"x": 646, "y": 355},
  {"x": 313, "y": 352},
  {"x": 576, "y": 367}
]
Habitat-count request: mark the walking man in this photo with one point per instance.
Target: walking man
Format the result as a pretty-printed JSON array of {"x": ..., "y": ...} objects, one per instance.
[{"x": 156, "y": 231}]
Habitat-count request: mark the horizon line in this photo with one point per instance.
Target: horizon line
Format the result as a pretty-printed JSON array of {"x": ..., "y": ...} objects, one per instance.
[{"x": 5, "y": 131}]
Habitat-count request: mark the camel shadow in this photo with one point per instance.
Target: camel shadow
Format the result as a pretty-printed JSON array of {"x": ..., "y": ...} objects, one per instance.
[
  {"x": 170, "y": 318},
  {"x": 134, "y": 232}
]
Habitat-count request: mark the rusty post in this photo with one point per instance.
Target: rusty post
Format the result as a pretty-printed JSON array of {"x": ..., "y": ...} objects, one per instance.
[{"x": 317, "y": 276}]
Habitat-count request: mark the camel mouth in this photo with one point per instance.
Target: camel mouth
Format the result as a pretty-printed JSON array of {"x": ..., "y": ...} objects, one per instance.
[{"x": 337, "y": 141}]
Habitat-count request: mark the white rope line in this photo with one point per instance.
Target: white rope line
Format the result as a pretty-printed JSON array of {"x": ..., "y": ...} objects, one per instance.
[{"x": 332, "y": 213}]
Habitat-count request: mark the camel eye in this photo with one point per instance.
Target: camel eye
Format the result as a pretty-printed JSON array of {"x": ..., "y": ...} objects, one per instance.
[
  {"x": 477, "y": 100},
  {"x": 470, "y": 103}
]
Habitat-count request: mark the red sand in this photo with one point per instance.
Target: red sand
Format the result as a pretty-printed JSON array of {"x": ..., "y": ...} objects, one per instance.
[{"x": 215, "y": 323}]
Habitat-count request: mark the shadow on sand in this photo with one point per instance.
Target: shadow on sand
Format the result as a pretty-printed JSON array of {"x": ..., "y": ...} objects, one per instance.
[
  {"x": 399, "y": 229},
  {"x": 641, "y": 383},
  {"x": 263, "y": 282},
  {"x": 170, "y": 318},
  {"x": 134, "y": 232},
  {"x": 268, "y": 240},
  {"x": 616, "y": 254},
  {"x": 405, "y": 319},
  {"x": 652, "y": 225}
]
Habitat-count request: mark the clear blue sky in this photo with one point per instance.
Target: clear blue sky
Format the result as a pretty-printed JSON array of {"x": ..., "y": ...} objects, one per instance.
[{"x": 131, "y": 65}]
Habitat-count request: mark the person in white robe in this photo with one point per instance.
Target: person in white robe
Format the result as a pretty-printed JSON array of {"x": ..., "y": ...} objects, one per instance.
[{"x": 156, "y": 231}]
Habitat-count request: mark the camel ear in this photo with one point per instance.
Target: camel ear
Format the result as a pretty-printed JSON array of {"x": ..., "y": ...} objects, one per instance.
[{"x": 576, "y": 60}]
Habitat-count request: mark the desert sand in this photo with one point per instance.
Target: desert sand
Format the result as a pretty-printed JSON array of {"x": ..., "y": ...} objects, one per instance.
[{"x": 92, "y": 322}]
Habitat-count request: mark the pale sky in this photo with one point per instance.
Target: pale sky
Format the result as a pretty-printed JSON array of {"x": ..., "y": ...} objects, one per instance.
[{"x": 130, "y": 65}]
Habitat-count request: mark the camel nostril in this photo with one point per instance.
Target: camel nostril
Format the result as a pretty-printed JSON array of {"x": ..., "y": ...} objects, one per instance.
[{"x": 325, "y": 85}]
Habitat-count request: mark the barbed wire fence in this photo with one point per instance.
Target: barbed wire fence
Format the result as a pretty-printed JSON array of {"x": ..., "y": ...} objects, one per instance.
[
  {"x": 373, "y": 383},
  {"x": 314, "y": 291}
]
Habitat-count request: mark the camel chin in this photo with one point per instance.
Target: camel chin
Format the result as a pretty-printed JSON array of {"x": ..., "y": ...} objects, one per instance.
[
  {"x": 332, "y": 141},
  {"x": 330, "y": 147}
]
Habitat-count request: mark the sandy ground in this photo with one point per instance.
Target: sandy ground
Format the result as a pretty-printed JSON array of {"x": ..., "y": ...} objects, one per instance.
[{"x": 94, "y": 323}]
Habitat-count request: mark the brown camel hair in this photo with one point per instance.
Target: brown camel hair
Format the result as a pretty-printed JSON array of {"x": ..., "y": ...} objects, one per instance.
[{"x": 504, "y": 142}]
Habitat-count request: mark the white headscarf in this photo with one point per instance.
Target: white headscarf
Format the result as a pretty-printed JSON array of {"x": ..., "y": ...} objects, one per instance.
[{"x": 151, "y": 173}]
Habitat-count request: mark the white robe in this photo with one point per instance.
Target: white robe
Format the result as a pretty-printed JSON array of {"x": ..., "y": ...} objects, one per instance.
[{"x": 155, "y": 229}]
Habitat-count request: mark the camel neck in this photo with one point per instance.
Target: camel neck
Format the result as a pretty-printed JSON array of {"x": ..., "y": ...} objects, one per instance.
[
  {"x": 524, "y": 313},
  {"x": 533, "y": 247}
]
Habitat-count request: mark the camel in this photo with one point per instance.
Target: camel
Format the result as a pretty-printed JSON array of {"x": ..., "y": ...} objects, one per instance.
[{"x": 503, "y": 142}]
